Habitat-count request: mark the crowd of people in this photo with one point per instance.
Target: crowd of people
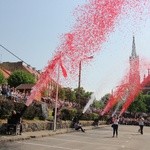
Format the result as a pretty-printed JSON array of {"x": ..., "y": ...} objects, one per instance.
[
  {"x": 16, "y": 96},
  {"x": 133, "y": 121},
  {"x": 13, "y": 94},
  {"x": 60, "y": 103}
]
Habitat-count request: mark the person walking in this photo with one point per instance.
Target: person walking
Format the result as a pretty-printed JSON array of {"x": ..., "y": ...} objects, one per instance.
[
  {"x": 115, "y": 121},
  {"x": 141, "y": 124}
]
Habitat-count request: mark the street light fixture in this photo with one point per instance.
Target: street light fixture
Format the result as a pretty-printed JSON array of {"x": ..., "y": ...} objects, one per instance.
[{"x": 79, "y": 81}]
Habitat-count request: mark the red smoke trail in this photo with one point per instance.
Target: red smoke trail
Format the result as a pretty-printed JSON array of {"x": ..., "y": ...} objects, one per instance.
[
  {"x": 44, "y": 79},
  {"x": 131, "y": 89},
  {"x": 63, "y": 69},
  {"x": 133, "y": 94},
  {"x": 117, "y": 95},
  {"x": 136, "y": 88},
  {"x": 132, "y": 85},
  {"x": 95, "y": 21}
]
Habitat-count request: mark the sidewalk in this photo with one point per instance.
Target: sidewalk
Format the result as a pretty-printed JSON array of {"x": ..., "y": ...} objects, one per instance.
[{"x": 44, "y": 133}]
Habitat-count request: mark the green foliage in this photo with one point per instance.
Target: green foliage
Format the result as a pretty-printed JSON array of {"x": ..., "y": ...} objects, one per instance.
[
  {"x": 68, "y": 114},
  {"x": 62, "y": 94},
  {"x": 33, "y": 111},
  {"x": 70, "y": 95},
  {"x": 67, "y": 94},
  {"x": 5, "y": 109},
  {"x": 85, "y": 97},
  {"x": 105, "y": 98},
  {"x": 138, "y": 105},
  {"x": 90, "y": 116},
  {"x": 147, "y": 102},
  {"x": 97, "y": 104},
  {"x": 82, "y": 97},
  {"x": 30, "y": 114},
  {"x": 20, "y": 77},
  {"x": 73, "y": 95},
  {"x": 2, "y": 78}
]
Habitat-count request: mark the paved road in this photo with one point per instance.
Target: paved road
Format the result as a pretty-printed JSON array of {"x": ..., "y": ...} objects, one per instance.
[{"x": 97, "y": 139}]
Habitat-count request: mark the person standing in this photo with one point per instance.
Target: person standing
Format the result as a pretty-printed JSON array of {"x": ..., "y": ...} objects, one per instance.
[
  {"x": 115, "y": 121},
  {"x": 141, "y": 124}
]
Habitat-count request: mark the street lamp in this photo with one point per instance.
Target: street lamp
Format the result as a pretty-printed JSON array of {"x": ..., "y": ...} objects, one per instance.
[{"x": 79, "y": 81}]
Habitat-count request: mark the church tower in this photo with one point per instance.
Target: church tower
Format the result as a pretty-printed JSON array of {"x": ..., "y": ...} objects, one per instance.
[{"x": 134, "y": 75}]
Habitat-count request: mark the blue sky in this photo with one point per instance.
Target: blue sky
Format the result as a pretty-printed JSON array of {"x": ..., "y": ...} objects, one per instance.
[{"x": 31, "y": 29}]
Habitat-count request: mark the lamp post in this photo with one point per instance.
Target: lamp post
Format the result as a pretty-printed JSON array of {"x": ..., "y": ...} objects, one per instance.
[{"x": 79, "y": 81}]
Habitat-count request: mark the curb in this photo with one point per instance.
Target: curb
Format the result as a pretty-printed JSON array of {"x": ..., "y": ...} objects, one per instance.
[{"x": 38, "y": 134}]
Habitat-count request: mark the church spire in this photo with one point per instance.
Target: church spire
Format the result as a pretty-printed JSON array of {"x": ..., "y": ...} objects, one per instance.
[
  {"x": 133, "y": 55},
  {"x": 134, "y": 65}
]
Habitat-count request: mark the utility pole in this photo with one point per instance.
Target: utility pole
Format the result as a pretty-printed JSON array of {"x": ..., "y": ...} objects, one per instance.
[
  {"x": 56, "y": 100},
  {"x": 79, "y": 80}
]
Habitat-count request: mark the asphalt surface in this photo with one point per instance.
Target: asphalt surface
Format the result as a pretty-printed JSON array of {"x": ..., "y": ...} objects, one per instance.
[{"x": 93, "y": 139}]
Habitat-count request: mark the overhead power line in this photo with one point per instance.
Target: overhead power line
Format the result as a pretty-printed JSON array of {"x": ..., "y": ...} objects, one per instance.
[{"x": 13, "y": 54}]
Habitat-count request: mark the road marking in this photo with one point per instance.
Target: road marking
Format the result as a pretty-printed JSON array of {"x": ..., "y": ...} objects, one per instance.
[{"x": 44, "y": 145}]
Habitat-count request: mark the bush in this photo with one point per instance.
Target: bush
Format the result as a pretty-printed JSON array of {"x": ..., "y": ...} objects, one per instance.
[
  {"x": 5, "y": 109},
  {"x": 34, "y": 110},
  {"x": 90, "y": 116},
  {"x": 68, "y": 114},
  {"x": 30, "y": 113}
]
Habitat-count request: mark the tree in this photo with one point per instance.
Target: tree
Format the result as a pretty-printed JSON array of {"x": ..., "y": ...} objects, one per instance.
[
  {"x": 20, "y": 77},
  {"x": 97, "y": 104},
  {"x": 82, "y": 97},
  {"x": 2, "y": 78},
  {"x": 70, "y": 95},
  {"x": 147, "y": 102},
  {"x": 62, "y": 93},
  {"x": 105, "y": 98},
  {"x": 138, "y": 105}
]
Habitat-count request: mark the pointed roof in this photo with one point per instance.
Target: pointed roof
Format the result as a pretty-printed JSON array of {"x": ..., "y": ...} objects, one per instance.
[{"x": 133, "y": 54}]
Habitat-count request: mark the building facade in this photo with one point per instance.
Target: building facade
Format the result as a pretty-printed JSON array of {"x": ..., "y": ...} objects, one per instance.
[{"x": 7, "y": 68}]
